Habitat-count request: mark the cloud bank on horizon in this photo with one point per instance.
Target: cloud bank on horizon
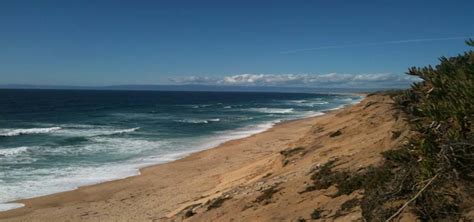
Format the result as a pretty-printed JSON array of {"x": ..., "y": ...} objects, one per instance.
[{"x": 380, "y": 80}]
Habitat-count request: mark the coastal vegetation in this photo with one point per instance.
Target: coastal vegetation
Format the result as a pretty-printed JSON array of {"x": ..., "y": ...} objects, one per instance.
[
  {"x": 432, "y": 174},
  {"x": 429, "y": 176}
]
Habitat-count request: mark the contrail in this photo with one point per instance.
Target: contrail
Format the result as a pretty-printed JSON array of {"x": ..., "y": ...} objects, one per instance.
[{"x": 375, "y": 44}]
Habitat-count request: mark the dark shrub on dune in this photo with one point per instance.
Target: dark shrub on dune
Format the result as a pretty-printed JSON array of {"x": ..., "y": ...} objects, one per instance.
[{"x": 432, "y": 174}]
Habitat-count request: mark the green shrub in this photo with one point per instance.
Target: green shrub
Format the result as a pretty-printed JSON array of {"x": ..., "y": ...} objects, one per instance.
[{"x": 436, "y": 167}]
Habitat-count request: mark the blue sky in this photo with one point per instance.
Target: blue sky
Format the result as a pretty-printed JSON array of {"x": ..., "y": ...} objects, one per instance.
[{"x": 226, "y": 42}]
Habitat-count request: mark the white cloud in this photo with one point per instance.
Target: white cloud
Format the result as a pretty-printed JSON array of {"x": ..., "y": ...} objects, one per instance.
[{"x": 308, "y": 80}]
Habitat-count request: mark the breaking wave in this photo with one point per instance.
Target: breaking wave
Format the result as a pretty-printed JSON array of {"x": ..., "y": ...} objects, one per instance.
[
  {"x": 18, "y": 132},
  {"x": 13, "y": 151},
  {"x": 272, "y": 110},
  {"x": 198, "y": 121}
]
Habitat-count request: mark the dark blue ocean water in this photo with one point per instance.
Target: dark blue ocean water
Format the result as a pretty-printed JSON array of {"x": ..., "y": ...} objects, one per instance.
[{"x": 57, "y": 140}]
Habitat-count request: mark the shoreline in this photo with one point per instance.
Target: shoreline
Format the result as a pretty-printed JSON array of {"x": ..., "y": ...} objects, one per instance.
[
  {"x": 141, "y": 170},
  {"x": 176, "y": 157},
  {"x": 166, "y": 189},
  {"x": 42, "y": 201}
]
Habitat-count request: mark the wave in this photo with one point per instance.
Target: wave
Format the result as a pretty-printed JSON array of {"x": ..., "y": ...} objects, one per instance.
[
  {"x": 202, "y": 106},
  {"x": 314, "y": 113},
  {"x": 272, "y": 110},
  {"x": 244, "y": 118},
  {"x": 10, "y": 206},
  {"x": 69, "y": 177},
  {"x": 114, "y": 132},
  {"x": 93, "y": 132},
  {"x": 18, "y": 132},
  {"x": 72, "y": 140},
  {"x": 53, "y": 180},
  {"x": 320, "y": 103},
  {"x": 299, "y": 101},
  {"x": 198, "y": 121},
  {"x": 118, "y": 145},
  {"x": 351, "y": 100},
  {"x": 13, "y": 151},
  {"x": 307, "y": 103},
  {"x": 123, "y": 131},
  {"x": 227, "y": 135},
  {"x": 112, "y": 151},
  {"x": 77, "y": 126}
]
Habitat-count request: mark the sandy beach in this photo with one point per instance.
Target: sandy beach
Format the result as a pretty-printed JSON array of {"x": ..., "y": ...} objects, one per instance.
[{"x": 231, "y": 182}]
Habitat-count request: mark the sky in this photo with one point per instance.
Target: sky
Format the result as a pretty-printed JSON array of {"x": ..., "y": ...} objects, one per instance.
[{"x": 277, "y": 43}]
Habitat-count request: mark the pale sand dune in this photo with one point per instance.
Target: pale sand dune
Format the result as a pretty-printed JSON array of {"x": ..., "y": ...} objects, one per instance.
[{"x": 238, "y": 171}]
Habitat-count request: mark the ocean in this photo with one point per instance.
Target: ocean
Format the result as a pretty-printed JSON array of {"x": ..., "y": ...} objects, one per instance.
[{"x": 57, "y": 140}]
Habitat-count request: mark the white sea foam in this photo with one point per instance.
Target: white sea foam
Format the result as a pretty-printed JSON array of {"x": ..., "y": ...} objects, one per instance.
[
  {"x": 94, "y": 131},
  {"x": 44, "y": 181},
  {"x": 124, "y": 145},
  {"x": 299, "y": 101},
  {"x": 16, "y": 156},
  {"x": 105, "y": 146},
  {"x": 17, "y": 132},
  {"x": 202, "y": 105},
  {"x": 227, "y": 135},
  {"x": 198, "y": 121},
  {"x": 351, "y": 100},
  {"x": 272, "y": 110},
  {"x": 357, "y": 100},
  {"x": 348, "y": 101},
  {"x": 52, "y": 180},
  {"x": 336, "y": 108},
  {"x": 307, "y": 103},
  {"x": 10, "y": 206},
  {"x": 314, "y": 113},
  {"x": 320, "y": 102},
  {"x": 124, "y": 131},
  {"x": 13, "y": 151}
]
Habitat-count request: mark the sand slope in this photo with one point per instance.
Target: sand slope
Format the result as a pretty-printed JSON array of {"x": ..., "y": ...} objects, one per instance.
[{"x": 226, "y": 183}]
